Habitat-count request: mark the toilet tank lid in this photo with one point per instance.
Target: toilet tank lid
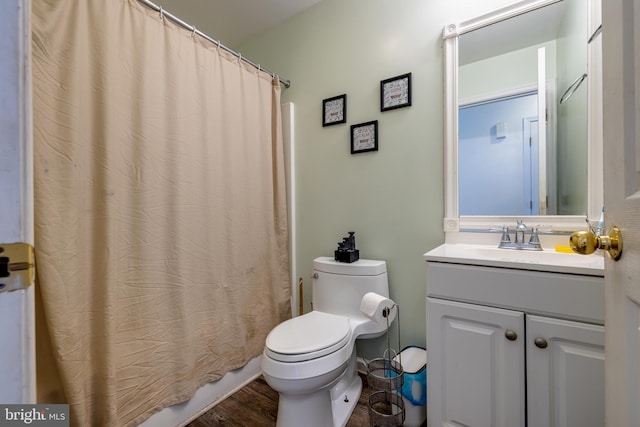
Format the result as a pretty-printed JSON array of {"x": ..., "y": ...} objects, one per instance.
[{"x": 361, "y": 267}]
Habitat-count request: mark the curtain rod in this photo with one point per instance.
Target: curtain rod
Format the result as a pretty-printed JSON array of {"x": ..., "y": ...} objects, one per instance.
[{"x": 149, "y": 4}]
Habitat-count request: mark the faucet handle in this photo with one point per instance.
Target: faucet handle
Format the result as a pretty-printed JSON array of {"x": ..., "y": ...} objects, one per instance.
[
  {"x": 521, "y": 226},
  {"x": 505, "y": 235},
  {"x": 534, "y": 237}
]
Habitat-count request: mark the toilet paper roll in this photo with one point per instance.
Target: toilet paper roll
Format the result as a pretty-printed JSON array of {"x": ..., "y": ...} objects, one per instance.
[{"x": 374, "y": 306}]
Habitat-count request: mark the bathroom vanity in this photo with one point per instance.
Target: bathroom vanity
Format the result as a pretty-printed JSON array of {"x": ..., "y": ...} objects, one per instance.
[{"x": 515, "y": 338}]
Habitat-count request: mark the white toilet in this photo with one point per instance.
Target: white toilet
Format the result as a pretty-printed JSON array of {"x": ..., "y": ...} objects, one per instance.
[{"x": 310, "y": 360}]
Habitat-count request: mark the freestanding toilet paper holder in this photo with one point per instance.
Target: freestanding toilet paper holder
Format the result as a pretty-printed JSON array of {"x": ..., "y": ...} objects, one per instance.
[{"x": 385, "y": 377}]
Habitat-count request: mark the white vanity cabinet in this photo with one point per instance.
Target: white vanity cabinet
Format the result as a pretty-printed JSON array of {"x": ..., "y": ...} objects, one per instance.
[
  {"x": 475, "y": 375},
  {"x": 565, "y": 373},
  {"x": 512, "y": 347}
]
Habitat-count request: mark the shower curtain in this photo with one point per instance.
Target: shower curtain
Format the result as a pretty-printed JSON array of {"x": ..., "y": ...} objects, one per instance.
[{"x": 160, "y": 210}]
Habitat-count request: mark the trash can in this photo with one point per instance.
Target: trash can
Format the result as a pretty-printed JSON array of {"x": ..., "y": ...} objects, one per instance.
[{"x": 414, "y": 387}]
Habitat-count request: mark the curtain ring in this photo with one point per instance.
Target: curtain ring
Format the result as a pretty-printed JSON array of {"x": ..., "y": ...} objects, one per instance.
[
  {"x": 193, "y": 33},
  {"x": 239, "y": 57},
  {"x": 218, "y": 48},
  {"x": 161, "y": 14},
  {"x": 259, "y": 69}
]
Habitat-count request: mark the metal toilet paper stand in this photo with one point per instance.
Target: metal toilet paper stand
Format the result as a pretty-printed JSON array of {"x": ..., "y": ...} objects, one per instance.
[{"x": 385, "y": 377}]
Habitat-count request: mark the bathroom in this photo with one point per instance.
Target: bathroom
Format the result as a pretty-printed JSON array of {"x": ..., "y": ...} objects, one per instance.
[{"x": 393, "y": 198}]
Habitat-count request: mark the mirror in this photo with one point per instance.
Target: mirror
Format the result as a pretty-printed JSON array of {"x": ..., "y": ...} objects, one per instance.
[{"x": 504, "y": 70}]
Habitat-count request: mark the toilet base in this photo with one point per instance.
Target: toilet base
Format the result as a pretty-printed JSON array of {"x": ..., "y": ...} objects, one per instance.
[
  {"x": 323, "y": 408},
  {"x": 330, "y": 406},
  {"x": 344, "y": 404},
  {"x": 313, "y": 410}
]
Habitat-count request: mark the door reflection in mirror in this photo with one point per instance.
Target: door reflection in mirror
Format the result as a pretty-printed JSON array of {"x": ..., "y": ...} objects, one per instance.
[{"x": 498, "y": 157}]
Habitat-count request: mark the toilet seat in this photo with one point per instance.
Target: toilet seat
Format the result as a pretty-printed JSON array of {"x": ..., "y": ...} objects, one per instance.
[{"x": 308, "y": 337}]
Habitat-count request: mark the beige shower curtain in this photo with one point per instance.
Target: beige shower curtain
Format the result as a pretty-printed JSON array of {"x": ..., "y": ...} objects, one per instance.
[{"x": 161, "y": 218}]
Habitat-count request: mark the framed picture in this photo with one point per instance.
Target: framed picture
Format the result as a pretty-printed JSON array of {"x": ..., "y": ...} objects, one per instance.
[
  {"x": 334, "y": 110},
  {"x": 364, "y": 137},
  {"x": 395, "y": 92}
]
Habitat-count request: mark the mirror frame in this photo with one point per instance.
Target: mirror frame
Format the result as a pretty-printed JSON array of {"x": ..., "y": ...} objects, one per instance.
[{"x": 551, "y": 224}]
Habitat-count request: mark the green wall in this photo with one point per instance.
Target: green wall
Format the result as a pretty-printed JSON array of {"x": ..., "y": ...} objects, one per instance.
[
  {"x": 392, "y": 198},
  {"x": 572, "y": 136},
  {"x": 510, "y": 70}
]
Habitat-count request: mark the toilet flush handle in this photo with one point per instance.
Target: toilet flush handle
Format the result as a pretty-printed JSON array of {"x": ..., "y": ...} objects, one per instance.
[{"x": 314, "y": 276}]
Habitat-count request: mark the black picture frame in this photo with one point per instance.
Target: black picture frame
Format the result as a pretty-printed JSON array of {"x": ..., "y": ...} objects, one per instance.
[
  {"x": 364, "y": 137},
  {"x": 395, "y": 92},
  {"x": 334, "y": 110}
]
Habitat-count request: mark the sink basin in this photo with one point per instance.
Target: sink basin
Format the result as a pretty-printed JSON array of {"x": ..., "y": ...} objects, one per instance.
[{"x": 545, "y": 260}]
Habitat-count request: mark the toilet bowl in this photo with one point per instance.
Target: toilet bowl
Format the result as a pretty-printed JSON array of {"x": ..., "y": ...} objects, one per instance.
[{"x": 310, "y": 360}]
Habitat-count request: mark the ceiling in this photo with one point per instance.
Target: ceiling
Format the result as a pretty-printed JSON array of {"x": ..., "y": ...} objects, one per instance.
[{"x": 232, "y": 22}]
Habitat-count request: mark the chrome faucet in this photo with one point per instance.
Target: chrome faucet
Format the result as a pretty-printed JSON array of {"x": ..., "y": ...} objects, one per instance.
[{"x": 521, "y": 230}]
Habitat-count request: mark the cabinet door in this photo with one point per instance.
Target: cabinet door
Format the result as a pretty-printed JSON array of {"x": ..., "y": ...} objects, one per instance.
[
  {"x": 565, "y": 373},
  {"x": 475, "y": 372}
]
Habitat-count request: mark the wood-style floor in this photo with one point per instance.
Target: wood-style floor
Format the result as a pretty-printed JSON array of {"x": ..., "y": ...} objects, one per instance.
[{"x": 256, "y": 405}]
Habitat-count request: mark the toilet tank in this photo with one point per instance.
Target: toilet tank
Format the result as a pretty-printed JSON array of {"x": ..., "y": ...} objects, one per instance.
[{"x": 338, "y": 287}]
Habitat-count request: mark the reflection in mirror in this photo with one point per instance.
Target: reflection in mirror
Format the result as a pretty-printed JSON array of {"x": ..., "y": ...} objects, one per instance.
[
  {"x": 505, "y": 167},
  {"x": 498, "y": 156},
  {"x": 513, "y": 149}
]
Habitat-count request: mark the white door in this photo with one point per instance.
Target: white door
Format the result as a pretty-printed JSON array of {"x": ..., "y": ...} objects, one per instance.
[
  {"x": 17, "y": 324},
  {"x": 565, "y": 373},
  {"x": 531, "y": 129},
  {"x": 477, "y": 373},
  {"x": 621, "y": 72}
]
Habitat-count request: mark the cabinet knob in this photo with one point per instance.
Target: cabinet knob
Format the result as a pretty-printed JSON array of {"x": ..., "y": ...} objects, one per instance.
[
  {"x": 510, "y": 335},
  {"x": 540, "y": 342}
]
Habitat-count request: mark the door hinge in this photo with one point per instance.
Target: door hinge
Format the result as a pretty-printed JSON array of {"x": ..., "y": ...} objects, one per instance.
[{"x": 17, "y": 267}]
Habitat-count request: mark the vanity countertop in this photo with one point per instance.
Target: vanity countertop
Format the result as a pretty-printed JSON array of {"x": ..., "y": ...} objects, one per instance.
[{"x": 546, "y": 260}]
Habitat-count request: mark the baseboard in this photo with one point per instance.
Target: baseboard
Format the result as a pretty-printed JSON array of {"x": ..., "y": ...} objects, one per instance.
[
  {"x": 361, "y": 365},
  {"x": 206, "y": 397}
]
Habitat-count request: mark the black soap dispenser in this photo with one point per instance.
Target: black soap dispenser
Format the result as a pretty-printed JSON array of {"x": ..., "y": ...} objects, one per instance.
[{"x": 347, "y": 251}]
